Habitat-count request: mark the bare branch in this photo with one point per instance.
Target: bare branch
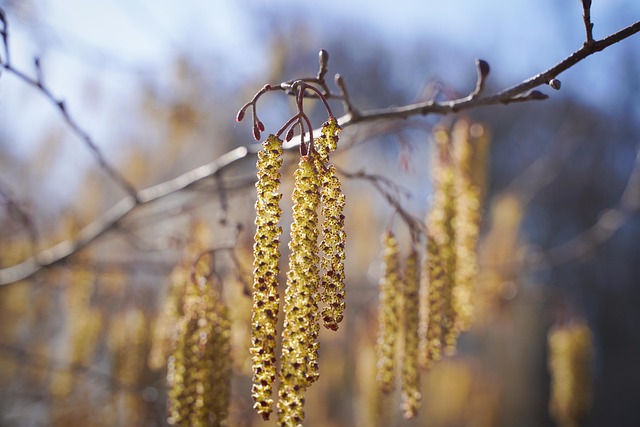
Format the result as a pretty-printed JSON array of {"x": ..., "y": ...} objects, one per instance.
[
  {"x": 60, "y": 105},
  {"x": 112, "y": 218},
  {"x": 586, "y": 17}
]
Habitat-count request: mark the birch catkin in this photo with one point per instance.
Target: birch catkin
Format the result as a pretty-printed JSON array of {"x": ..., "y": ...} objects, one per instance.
[
  {"x": 411, "y": 395},
  {"x": 570, "y": 352},
  {"x": 388, "y": 321},
  {"x": 299, "y": 337},
  {"x": 266, "y": 253}
]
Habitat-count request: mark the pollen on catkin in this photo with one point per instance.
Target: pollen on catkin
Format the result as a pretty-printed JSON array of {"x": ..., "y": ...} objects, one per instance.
[
  {"x": 441, "y": 255},
  {"x": 199, "y": 369},
  {"x": 164, "y": 329},
  {"x": 299, "y": 360},
  {"x": 266, "y": 254},
  {"x": 570, "y": 350},
  {"x": 334, "y": 236},
  {"x": 466, "y": 224},
  {"x": 388, "y": 315},
  {"x": 411, "y": 396}
]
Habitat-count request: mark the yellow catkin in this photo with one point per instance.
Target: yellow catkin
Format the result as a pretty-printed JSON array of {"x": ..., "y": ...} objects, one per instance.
[
  {"x": 411, "y": 396},
  {"x": 266, "y": 254},
  {"x": 165, "y": 325},
  {"x": 466, "y": 223},
  {"x": 299, "y": 337},
  {"x": 437, "y": 324},
  {"x": 334, "y": 236},
  {"x": 388, "y": 319},
  {"x": 199, "y": 369},
  {"x": 570, "y": 349}
]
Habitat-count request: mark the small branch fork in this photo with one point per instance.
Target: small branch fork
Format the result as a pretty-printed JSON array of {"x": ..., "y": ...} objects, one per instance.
[
  {"x": 38, "y": 84},
  {"x": 313, "y": 87}
]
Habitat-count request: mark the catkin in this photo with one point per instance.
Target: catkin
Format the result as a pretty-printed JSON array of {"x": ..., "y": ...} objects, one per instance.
[
  {"x": 199, "y": 370},
  {"x": 388, "y": 321},
  {"x": 299, "y": 337},
  {"x": 437, "y": 327},
  {"x": 173, "y": 309},
  {"x": 266, "y": 299},
  {"x": 570, "y": 348},
  {"x": 332, "y": 246},
  {"x": 334, "y": 236},
  {"x": 411, "y": 396},
  {"x": 466, "y": 224}
]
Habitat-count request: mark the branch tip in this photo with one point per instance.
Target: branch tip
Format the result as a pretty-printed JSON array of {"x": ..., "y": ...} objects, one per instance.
[{"x": 555, "y": 84}]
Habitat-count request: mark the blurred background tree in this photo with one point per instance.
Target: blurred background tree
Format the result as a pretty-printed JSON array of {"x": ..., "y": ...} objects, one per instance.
[{"x": 157, "y": 88}]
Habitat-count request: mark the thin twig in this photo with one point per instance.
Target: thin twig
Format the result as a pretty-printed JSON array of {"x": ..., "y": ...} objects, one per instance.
[
  {"x": 586, "y": 17},
  {"x": 610, "y": 221},
  {"x": 60, "y": 105},
  {"x": 111, "y": 218}
]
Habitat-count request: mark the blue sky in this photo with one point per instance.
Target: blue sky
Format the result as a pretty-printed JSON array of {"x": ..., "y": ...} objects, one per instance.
[{"x": 109, "y": 44}]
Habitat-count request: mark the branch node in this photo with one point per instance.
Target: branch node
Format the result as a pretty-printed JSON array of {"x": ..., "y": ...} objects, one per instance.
[
  {"x": 555, "y": 84},
  {"x": 483, "y": 69},
  {"x": 588, "y": 25},
  {"x": 346, "y": 99}
]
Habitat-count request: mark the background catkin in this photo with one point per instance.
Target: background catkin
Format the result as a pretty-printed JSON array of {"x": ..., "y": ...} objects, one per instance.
[
  {"x": 266, "y": 254},
  {"x": 199, "y": 370},
  {"x": 388, "y": 321},
  {"x": 570, "y": 349},
  {"x": 301, "y": 327},
  {"x": 466, "y": 224},
  {"x": 411, "y": 396}
]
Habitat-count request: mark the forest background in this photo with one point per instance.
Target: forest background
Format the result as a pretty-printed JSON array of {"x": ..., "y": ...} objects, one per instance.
[{"x": 157, "y": 86}]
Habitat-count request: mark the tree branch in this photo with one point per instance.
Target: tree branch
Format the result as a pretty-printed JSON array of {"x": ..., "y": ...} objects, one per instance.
[{"x": 112, "y": 218}]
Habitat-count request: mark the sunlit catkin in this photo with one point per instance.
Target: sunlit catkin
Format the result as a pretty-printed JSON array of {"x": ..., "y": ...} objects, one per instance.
[
  {"x": 437, "y": 327},
  {"x": 299, "y": 366},
  {"x": 570, "y": 349},
  {"x": 173, "y": 309},
  {"x": 466, "y": 223},
  {"x": 334, "y": 236},
  {"x": 411, "y": 395},
  {"x": 265, "y": 274},
  {"x": 199, "y": 369},
  {"x": 388, "y": 321}
]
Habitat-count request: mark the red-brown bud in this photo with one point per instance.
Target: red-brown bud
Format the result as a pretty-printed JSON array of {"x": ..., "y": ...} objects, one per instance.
[{"x": 240, "y": 116}]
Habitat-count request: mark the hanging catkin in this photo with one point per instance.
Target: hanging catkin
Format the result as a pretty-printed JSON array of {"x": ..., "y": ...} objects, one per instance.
[
  {"x": 388, "y": 321},
  {"x": 299, "y": 367},
  {"x": 411, "y": 396},
  {"x": 266, "y": 253},
  {"x": 570, "y": 348}
]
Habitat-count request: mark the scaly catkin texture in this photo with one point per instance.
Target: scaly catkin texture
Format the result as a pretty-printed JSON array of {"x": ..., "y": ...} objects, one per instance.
[
  {"x": 199, "y": 370},
  {"x": 266, "y": 299},
  {"x": 411, "y": 395},
  {"x": 388, "y": 321},
  {"x": 332, "y": 246},
  {"x": 299, "y": 337},
  {"x": 570, "y": 348},
  {"x": 334, "y": 236}
]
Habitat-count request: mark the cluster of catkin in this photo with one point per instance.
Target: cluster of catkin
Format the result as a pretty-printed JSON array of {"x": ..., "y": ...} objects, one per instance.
[
  {"x": 570, "y": 348},
  {"x": 194, "y": 332},
  {"x": 315, "y": 276},
  {"x": 421, "y": 315}
]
